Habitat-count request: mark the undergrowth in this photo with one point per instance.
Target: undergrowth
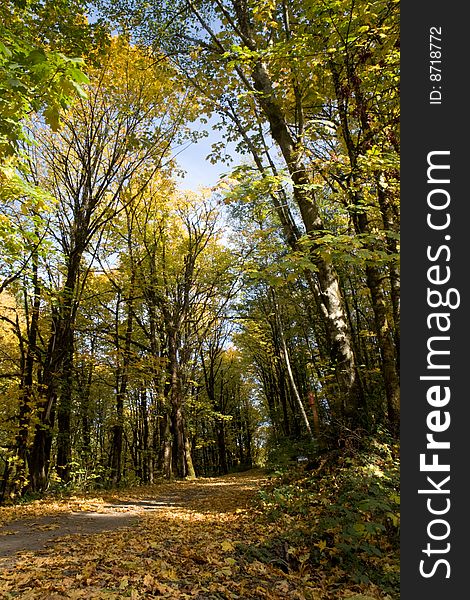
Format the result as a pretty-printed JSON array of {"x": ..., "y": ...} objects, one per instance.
[{"x": 339, "y": 515}]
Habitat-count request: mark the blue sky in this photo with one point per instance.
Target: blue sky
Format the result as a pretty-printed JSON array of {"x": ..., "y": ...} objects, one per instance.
[{"x": 199, "y": 171}]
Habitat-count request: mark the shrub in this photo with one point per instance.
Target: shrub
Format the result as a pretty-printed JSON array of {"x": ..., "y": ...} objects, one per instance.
[{"x": 344, "y": 517}]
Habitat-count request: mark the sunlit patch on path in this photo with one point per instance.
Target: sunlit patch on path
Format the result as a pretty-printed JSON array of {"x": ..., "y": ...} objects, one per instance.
[{"x": 36, "y": 532}]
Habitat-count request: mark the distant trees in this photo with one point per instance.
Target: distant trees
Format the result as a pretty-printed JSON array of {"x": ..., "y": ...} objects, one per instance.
[{"x": 185, "y": 279}]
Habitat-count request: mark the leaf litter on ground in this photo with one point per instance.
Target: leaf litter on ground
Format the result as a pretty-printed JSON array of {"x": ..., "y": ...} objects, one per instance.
[{"x": 191, "y": 544}]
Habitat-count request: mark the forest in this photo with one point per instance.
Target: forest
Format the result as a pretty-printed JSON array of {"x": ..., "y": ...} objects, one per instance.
[{"x": 154, "y": 335}]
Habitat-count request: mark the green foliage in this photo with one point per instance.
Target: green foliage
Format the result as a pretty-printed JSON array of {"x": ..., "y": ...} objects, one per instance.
[
  {"x": 33, "y": 77},
  {"x": 81, "y": 479},
  {"x": 345, "y": 517},
  {"x": 286, "y": 453}
]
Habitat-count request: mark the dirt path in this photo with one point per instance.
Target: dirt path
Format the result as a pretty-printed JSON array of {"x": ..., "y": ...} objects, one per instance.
[{"x": 33, "y": 533}]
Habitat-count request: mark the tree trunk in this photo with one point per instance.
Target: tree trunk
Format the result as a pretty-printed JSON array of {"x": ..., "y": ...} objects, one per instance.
[
  {"x": 285, "y": 351},
  {"x": 345, "y": 399},
  {"x": 27, "y": 393},
  {"x": 145, "y": 435},
  {"x": 181, "y": 459},
  {"x": 40, "y": 453},
  {"x": 179, "y": 449},
  {"x": 167, "y": 466},
  {"x": 387, "y": 346},
  {"x": 191, "y": 473},
  {"x": 122, "y": 379},
  {"x": 64, "y": 351},
  {"x": 222, "y": 450},
  {"x": 345, "y": 94},
  {"x": 85, "y": 406},
  {"x": 64, "y": 410}
]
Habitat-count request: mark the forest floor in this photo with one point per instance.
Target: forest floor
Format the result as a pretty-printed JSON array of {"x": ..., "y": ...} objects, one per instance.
[{"x": 185, "y": 539}]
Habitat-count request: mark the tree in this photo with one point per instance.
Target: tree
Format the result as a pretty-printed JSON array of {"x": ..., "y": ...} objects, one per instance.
[
  {"x": 108, "y": 140},
  {"x": 36, "y": 80}
]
